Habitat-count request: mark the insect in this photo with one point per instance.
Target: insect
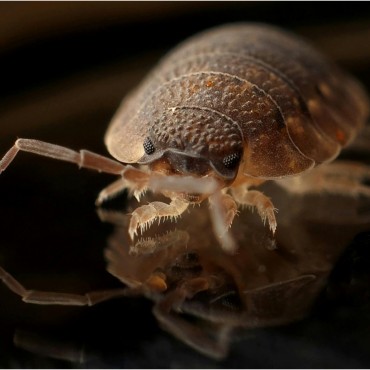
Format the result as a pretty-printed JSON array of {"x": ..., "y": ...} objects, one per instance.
[{"x": 225, "y": 111}]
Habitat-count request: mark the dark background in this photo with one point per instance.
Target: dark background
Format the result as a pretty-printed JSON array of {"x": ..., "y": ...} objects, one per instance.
[{"x": 64, "y": 69}]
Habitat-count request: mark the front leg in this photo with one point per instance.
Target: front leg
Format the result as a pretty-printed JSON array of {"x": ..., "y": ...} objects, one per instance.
[
  {"x": 84, "y": 158},
  {"x": 132, "y": 178},
  {"x": 145, "y": 215},
  {"x": 255, "y": 198},
  {"x": 223, "y": 209}
]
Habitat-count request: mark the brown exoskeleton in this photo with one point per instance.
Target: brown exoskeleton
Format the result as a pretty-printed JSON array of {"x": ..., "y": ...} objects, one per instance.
[{"x": 225, "y": 111}]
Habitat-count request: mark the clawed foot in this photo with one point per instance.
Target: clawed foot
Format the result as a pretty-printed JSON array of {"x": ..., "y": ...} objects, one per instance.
[
  {"x": 132, "y": 179},
  {"x": 223, "y": 206},
  {"x": 265, "y": 209},
  {"x": 256, "y": 199},
  {"x": 144, "y": 216},
  {"x": 224, "y": 209}
]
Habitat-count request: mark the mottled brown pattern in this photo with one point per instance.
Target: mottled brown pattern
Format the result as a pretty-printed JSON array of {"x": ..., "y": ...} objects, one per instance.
[{"x": 291, "y": 108}]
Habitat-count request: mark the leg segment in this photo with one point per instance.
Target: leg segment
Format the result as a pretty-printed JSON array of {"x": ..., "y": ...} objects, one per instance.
[
  {"x": 53, "y": 298},
  {"x": 84, "y": 158},
  {"x": 186, "y": 184},
  {"x": 144, "y": 216},
  {"x": 222, "y": 211},
  {"x": 215, "y": 346},
  {"x": 340, "y": 177},
  {"x": 132, "y": 179},
  {"x": 254, "y": 198},
  {"x": 49, "y": 346}
]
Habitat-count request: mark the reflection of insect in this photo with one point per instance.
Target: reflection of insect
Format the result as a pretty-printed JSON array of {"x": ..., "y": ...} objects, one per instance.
[
  {"x": 186, "y": 277},
  {"x": 225, "y": 111},
  {"x": 205, "y": 297}
]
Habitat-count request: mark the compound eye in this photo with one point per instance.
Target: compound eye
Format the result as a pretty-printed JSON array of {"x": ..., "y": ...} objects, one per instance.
[
  {"x": 148, "y": 146},
  {"x": 231, "y": 160}
]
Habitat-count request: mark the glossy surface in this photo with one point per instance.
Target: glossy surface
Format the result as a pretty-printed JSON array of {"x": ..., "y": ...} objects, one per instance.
[{"x": 268, "y": 282}]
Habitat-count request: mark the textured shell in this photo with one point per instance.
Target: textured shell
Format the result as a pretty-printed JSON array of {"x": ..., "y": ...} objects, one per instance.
[{"x": 291, "y": 107}]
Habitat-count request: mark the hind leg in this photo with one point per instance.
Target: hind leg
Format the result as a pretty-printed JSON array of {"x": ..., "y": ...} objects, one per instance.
[{"x": 340, "y": 177}]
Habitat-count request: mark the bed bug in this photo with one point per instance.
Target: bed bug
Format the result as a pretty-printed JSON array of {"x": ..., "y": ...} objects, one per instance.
[{"x": 223, "y": 112}]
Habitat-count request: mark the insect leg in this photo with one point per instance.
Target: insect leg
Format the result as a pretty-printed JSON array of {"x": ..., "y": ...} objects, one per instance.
[
  {"x": 223, "y": 210},
  {"x": 133, "y": 179},
  {"x": 216, "y": 345},
  {"x": 113, "y": 217},
  {"x": 255, "y": 198},
  {"x": 174, "y": 239},
  {"x": 145, "y": 215},
  {"x": 54, "y": 298},
  {"x": 187, "y": 184},
  {"x": 137, "y": 182},
  {"x": 49, "y": 346},
  {"x": 84, "y": 158},
  {"x": 340, "y": 177}
]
